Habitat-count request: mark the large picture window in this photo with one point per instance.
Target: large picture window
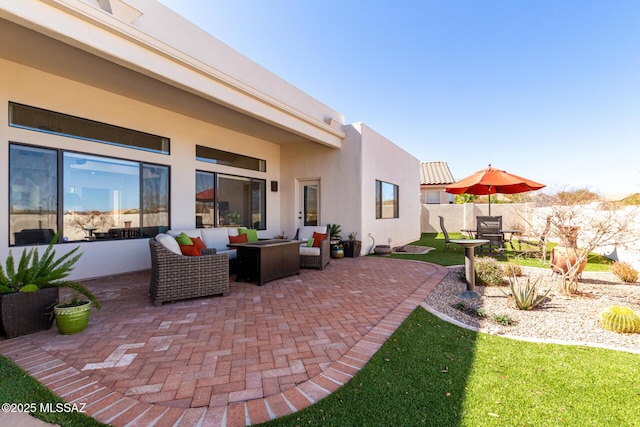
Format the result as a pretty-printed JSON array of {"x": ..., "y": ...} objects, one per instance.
[
  {"x": 230, "y": 201},
  {"x": 386, "y": 200},
  {"x": 87, "y": 197}
]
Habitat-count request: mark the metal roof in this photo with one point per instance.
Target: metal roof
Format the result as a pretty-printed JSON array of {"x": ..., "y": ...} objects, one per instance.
[{"x": 435, "y": 173}]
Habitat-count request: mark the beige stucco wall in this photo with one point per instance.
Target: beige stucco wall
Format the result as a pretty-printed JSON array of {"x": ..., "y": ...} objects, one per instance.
[
  {"x": 347, "y": 180},
  {"x": 386, "y": 161},
  {"x": 339, "y": 174},
  {"x": 29, "y": 86}
]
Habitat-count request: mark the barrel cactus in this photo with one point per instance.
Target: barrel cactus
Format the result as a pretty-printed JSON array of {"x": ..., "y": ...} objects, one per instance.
[{"x": 620, "y": 319}]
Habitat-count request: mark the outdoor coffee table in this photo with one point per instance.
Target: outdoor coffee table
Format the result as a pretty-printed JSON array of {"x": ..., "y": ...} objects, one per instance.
[
  {"x": 469, "y": 271},
  {"x": 267, "y": 260}
]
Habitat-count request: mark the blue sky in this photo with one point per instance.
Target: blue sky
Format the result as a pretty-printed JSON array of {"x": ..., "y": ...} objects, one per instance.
[{"x": 549, "y": 90}]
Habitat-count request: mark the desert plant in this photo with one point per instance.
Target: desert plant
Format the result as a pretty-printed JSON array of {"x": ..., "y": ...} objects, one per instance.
[
  {"x": 488, "y": 272},
  {"x": 526, "y": 296},
  {"x": 620, "y": 319},
  {"x": 513, "y": 269},
  {"x": 624, "y": 271},
  {"x": 34, "y": 272},
  {"x": 503, "y": 319}
]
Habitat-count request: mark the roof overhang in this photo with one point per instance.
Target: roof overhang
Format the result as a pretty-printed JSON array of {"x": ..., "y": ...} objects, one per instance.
[{"x": 115, "y": 42}]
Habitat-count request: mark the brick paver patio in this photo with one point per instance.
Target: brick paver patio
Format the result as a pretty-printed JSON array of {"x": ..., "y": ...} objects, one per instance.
[{"x": 259, "y": 353}]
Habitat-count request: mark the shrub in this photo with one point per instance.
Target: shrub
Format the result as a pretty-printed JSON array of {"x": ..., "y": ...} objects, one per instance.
[
  {"x": 513, "y": 270},
  {"x": 620, "y": 319},
  {"x": 624, "y": 271},
  {"x": 526, "y": 296},
  {"x": 488, "y": 272}
]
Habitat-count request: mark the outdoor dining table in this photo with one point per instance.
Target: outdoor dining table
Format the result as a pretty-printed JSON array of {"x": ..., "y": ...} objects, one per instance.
[
  {"x": 469, "y": 271},
  {"x": 471, "y": 232}
]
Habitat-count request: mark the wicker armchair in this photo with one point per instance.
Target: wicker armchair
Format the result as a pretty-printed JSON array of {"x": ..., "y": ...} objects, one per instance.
[
  {"x": 177, "y": 277},
  {"x": 314, "y": 261}
]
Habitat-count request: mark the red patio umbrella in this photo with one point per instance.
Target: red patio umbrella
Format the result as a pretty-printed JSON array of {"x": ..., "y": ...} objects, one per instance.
[{"x": 491, "y": 181}]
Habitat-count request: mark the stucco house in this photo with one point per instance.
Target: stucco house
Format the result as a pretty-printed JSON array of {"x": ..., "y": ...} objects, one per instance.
[
  {"x": 434, "y": 178},
  {"x": 120, "y": 119}
]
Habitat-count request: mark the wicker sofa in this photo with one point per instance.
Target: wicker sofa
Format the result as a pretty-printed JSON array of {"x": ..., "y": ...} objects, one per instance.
[
  {"x": 176, "y": 277},
  {"x": 314, "y": 257}
]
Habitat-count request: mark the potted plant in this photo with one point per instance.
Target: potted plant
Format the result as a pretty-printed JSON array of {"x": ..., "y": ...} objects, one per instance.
[
  {"x": 337, "y": 250},
  {"x": 30, "y": 288},
  {"x": 334, "y": 233},
  {"x": 335, "y": 240},
  {"x": 352, "y": 247},
  {"x": 72, "y": 316}
]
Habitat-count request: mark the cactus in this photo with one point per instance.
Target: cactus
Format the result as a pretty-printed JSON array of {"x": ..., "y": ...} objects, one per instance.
[{"x": 620, "y": 319}]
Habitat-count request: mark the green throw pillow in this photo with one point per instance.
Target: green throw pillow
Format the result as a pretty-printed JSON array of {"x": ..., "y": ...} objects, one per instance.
[
  {"x": 310, "y": 242},
  {"x": 183, "y": 239},
  {"x": 252, "y": 235}
]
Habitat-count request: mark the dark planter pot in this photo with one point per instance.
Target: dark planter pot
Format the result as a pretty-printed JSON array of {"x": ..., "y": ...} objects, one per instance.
[
  {"x": 24, "y": 313},
  {"x": 72, "y": 320},
  {"x": 352, "y": 249}
]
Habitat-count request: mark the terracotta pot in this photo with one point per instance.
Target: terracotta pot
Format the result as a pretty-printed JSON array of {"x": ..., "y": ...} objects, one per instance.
[{"x": 562, "y": 257}]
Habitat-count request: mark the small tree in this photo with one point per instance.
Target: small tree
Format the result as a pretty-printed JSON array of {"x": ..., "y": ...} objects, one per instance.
[{"x": 589, "y": 226}]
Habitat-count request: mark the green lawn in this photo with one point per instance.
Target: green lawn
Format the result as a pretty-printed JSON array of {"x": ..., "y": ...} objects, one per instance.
[
  {"x": 455, "y": 255},
  {"x": 16, "y": 386},
  {"x": 432, "y": 373}
]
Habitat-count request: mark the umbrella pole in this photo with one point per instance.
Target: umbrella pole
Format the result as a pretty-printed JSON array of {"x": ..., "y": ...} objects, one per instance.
[{"x": 489, "y": 195}]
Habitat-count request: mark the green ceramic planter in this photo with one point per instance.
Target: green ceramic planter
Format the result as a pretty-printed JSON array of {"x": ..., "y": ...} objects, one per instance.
[{"x": 72, "y": 320}]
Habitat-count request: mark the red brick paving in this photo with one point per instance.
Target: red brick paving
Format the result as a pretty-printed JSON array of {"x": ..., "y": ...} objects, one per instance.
[{"x": 259, "y": 353}]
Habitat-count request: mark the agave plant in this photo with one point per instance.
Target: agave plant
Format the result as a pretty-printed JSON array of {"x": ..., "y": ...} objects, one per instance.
[
  {"x": 526, "y": 296},
  {"x": 34, "y": 272}
]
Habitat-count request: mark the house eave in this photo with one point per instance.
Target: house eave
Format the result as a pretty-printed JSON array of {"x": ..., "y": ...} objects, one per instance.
[{"x": 104, "y": 35}]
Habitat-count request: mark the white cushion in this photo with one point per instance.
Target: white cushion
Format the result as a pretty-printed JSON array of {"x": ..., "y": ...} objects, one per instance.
[
  {"x": 217, "y": 238},
  {"x": 306, "y": 232},
  {"x": 169, "y": 242},
  {"x": 304, "y": 250},
  {"x": 233, "y": 231}
]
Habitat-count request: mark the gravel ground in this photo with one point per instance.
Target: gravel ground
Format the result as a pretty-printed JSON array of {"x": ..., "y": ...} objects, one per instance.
[{"x": 559, "y": 318}]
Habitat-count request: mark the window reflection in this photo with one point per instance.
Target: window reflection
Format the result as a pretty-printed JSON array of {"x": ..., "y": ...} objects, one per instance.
[
  {"x": 100, "y": 194},
  {"x": 100, "y": 198},
  {"x": 386, "y": 200},
  {"x": 33, "y": 200},
  {"x": 234, "y": 202}
]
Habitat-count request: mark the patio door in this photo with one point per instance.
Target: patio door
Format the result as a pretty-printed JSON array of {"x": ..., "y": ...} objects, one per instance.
[{"x": 309, "y": 202}]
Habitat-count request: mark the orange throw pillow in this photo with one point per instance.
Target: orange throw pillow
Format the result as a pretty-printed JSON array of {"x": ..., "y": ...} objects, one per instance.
[
  {"x": 317, "y": 239},
  {"x": 240, "y": 238},
  {"x": 190, "y": 250},
  {"x": 199, "y": 243}
]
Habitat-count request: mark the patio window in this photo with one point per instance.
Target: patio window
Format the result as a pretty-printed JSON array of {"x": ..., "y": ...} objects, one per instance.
[
  {"x": 230, "y": 201},
  {"x": 87, "y": 197},
  {"x": 386, "y": 200},
  {"x": 40, "y": 120}
]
